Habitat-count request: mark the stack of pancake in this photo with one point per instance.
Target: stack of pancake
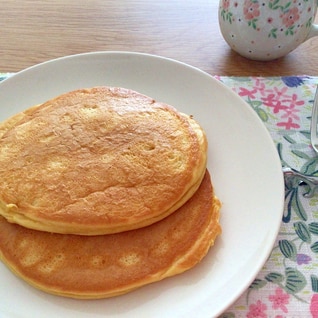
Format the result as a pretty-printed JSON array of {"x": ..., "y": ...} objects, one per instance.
[{"x": 103, "y": 190}]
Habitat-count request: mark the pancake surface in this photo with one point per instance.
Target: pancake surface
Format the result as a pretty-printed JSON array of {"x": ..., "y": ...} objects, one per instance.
[
  {"x": 101, "y": 266},
  {"x": 97, "y": 161}
]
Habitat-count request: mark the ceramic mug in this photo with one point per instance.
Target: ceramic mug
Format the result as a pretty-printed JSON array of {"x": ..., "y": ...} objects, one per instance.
[{"x": 267, "y": 29}]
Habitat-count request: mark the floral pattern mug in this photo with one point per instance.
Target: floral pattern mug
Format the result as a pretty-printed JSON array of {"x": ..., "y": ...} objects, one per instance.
[{"x": 267, "y": 29}]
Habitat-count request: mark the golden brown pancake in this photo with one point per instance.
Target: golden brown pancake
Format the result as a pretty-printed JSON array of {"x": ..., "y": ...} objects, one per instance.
[
  {"x": 108, "y": 265},
  {"x": 97, "y": 161}
]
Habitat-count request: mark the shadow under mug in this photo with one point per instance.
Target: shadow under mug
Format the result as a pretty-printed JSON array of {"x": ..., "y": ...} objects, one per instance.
[{"x": 267, "y": 30}]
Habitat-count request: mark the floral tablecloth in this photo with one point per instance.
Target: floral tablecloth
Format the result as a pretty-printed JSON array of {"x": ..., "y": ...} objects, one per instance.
[{"x": 287, "y": 286}]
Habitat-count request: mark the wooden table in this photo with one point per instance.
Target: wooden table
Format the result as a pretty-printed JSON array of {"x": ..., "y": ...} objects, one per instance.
[{"x": 33, "y": 31}]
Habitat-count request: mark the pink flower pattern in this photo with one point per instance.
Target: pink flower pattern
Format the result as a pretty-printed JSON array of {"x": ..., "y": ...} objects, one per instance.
[
  {"x": 314, "y": 306},
  {"x": 290, "y": 17},
  {"x": 279, "y": 300},
  {"x": 225, "y": 4},
  {"x": 277, "y": 100},
  {"x": 251, "y": 9},
  {"x": 257, "y": 310}
]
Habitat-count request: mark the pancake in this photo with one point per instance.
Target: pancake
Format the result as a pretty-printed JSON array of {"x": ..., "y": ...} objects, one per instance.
[
  {"x": 98, "y": 161},
  {"x": 103, "y": 266}
]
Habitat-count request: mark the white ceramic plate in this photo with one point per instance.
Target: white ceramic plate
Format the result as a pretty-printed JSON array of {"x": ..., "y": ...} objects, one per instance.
[{"x": 243, "y": 162}]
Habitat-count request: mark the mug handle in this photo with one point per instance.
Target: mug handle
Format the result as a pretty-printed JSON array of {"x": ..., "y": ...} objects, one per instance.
[{"x": 313, "y": 31}]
